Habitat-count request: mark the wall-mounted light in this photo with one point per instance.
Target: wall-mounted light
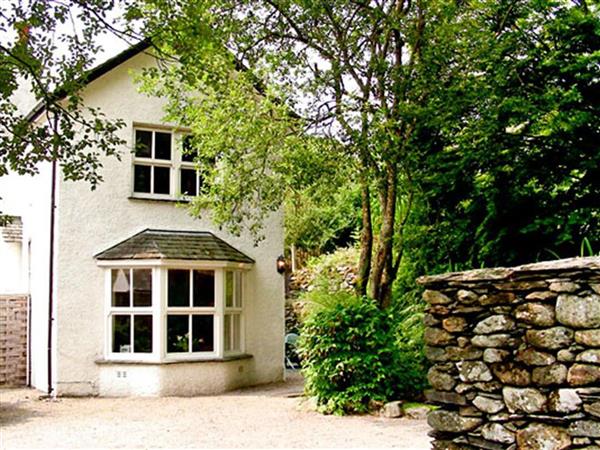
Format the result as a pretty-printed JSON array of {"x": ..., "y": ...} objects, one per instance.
[{"x": 280, "y": 264}]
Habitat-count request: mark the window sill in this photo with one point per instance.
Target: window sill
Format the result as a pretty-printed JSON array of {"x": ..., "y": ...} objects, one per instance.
[
  {"x": 109, "y": 362},
  {"x": 158, "y": 199}
]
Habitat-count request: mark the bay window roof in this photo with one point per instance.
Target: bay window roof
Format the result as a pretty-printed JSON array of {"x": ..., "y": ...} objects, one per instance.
[{"x": 174, "y": 245}]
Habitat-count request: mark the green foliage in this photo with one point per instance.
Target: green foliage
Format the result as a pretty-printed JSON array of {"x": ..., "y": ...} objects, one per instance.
[
  {"x": 410, "y": 367},
  {"x": 42, "y": 48},
  {"x": 510, "y": 164},
  {"x": 347, "y": 349},
  {"x": 353, "y": 353},
  {"x": 323, "y": 216}
]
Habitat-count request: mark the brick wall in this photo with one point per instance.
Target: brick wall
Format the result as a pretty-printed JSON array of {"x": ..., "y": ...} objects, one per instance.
[
  {"x": 515, "y": 356},
  {"x": 13, "y": 340}
]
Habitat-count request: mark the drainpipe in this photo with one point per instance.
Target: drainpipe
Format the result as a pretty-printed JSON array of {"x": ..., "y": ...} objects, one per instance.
[
  {"x": 51, "y": 267},
  {"x": 29, "y": 338}
]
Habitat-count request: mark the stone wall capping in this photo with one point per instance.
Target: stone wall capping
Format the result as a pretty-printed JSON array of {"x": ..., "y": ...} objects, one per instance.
[
  {"x": 517, "y": 357},
  {"x": 583, "y": 266}
]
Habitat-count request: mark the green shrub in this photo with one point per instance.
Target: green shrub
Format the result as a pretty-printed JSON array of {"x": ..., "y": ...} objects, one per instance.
[
  {"x": 350, "y": 353},
  {"x": 410, "y": 366}
]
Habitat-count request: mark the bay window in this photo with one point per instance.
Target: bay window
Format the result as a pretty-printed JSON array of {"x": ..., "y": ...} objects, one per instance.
[{"x": 164, "y": 313}]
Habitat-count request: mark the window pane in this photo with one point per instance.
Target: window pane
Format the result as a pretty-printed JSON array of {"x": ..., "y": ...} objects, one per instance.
[
  {"x": 204, "y": 288},
  {"x": 202, "y": 333},
  {"x": 236, "y": 327},
  {"x": 228, "y": 289},
  {"x": 121, "y": 334},
  {"x": 179, "y": 288},
  {"x": 162, "y": 145},
  {"x": 187, "y": 154},
  {"x": 188, "y": 182},
  {"x": 178, "y": 333},
  {"x": 142, "y": 334},
  {"x": 238, "y": 289},
  {"x": 142, "y": 287},
  {"x": 227, "y": 332},
  {"x": 141, "y": 178},
  {"x": 143, "y": 144},
  {"x": 162, "y": 180},
  {"x": 120, "y": 287}
]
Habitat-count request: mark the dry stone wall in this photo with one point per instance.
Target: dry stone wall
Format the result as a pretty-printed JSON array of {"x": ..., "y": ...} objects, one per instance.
[{"x": 515, "y": 356}]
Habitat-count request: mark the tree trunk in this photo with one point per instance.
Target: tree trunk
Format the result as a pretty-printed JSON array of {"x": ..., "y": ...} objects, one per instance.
[
  {"x": 366, "y": 240},
  {"x": 383, "y": 258}
]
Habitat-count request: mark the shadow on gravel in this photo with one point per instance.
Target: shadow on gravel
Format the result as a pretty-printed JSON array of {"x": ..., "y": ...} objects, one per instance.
[
  {"x": 292, "y": 387},
  {"x": 14, "y": 413}
]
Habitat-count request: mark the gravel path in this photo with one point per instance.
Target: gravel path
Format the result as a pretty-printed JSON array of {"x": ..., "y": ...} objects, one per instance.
[{"x": 271, "y": 417}]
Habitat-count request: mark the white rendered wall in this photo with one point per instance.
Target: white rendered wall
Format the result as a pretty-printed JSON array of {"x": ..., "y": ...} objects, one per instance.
[
  {"x": 93, "y": 221},
  {"x": 29, "y": 198},
  {"x": 12, "y": 276}
]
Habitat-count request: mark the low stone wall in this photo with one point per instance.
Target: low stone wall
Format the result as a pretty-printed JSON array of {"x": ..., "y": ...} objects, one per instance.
[
  {"x": 13, "y": 340},
  {"x": 515, "y": 356}
]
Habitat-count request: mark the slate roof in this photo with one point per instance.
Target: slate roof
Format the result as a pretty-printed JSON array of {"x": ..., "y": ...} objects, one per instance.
[
  {"x": 165, "y": 244},
  {"x": 13, "y": 230}
]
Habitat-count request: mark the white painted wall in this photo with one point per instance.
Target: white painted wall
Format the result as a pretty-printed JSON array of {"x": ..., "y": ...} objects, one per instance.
[
  {"x": 90, "y": 222},
  {"x": 29, "y": 197},
  {"x": 12, "y": 276}
]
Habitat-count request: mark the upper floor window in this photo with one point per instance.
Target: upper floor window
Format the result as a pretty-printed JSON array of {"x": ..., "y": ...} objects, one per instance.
[
  {"x": 163, "y": 167},
  {"x": 153, "y": 162},
  {"x": 189, "y": 180}
]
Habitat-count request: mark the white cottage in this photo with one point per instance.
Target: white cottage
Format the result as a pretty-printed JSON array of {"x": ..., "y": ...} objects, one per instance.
[{"x": 147, "y": 300}]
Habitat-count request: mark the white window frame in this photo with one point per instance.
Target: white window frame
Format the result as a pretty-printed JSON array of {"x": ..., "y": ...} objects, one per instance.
[
  {"x": 153, "y": 162},
  {"x": 130, "y": 311},
  {"x": 234, "y": 310},
  {"x": 175, "y": 164},
  {"x": 190, "y": 311},
  {"x": 160, "y": 309},
  {"x": 189, "y": 165}
]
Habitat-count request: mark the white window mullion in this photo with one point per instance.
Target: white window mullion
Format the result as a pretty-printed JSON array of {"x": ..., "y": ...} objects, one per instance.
[
  {"x": 175, "y": 157},
  {"x": 157, "y": 313},
  {"x": 190, "y": 332},
  {"x": 190, "y": 304},
  {"x": 107, "y": 311},
  {"x": 131, "y": 288},
  {"x": 219, "y": 319},
  {"x": 152, "y": 150},
  {"x": 131, "y": 317}
]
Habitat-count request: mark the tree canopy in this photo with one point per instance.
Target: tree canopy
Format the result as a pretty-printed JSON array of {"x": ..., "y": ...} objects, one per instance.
[
  {"x": 469, "y": 127},
  {"x": 468, "y": 131},
  {"x": 511, "y": 173},
  {"x": 49, "y": 46}
]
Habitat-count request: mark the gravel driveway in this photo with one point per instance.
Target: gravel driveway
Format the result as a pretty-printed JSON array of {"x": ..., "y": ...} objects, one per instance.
[{"x": 269, "y": 416}]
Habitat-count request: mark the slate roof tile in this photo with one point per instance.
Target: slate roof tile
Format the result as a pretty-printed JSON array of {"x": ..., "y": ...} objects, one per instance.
[{"x": 165, "y": 244}]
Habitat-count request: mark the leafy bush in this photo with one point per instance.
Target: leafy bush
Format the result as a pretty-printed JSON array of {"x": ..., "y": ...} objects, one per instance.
[
  {"x": 410, "y": 366},
  {"x": 351, "y": 354}
]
